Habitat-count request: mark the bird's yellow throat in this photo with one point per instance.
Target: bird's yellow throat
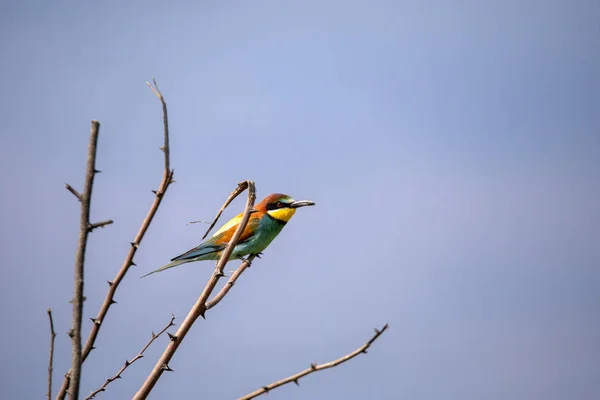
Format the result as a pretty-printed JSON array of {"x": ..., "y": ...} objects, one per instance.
[{"x": 282, "y": 214}]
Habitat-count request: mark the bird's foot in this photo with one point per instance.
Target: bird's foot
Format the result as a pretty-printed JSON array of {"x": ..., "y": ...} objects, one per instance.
[
  {"x": 257, "y": 255},
  {"x": 246, "y": 261}
]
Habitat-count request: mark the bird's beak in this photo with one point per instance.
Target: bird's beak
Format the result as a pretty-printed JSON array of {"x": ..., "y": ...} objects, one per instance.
[{"x": 302, "y": 203}]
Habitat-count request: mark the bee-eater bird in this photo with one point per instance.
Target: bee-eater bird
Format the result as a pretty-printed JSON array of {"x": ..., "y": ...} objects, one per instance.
[{"x": 266, "y": 220}]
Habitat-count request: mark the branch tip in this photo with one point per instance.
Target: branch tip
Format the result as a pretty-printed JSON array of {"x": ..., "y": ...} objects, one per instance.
[
  {"x": 100, "y": 224},
  {"x": 51, "y": 355},
  {"x": 74, "y": 192}
]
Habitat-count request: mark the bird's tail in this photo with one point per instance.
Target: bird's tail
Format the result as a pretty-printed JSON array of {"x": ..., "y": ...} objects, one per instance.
[{"x": 169, "y": 265}]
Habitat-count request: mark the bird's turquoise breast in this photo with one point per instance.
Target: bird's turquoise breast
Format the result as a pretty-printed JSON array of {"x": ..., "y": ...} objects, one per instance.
[{"x": 268, "y": 229}]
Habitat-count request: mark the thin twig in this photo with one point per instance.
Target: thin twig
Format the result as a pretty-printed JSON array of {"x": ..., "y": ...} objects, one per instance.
[
  {"x": 239, "y": 189},
  {"x": 129, "y": 362},
  {"x": 167, "y": 179},
  {"x": 165, "y": 148},
  {"x": 84, "y": 223},
  {"x": 314, "y": 368},
  {"x": 200, "y": 306},
  {"x": 51, "y": 357},
  {"x": 75, "y": 192},
  {"x": 100, "y": 224}
]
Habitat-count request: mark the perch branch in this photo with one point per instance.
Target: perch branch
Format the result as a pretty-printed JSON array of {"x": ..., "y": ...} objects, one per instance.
[
  {"x": 129, "y": 362},
  {"x": 200, "y": 306},
  {"x": 230, "y": 282},
  {"x": 167, "y": 179},
  {"x": 51, "y": 357},
  {"x": 314, "y": 368},
  {"x": 236, "y": 192},
  {"x": 84, "y": 223}
]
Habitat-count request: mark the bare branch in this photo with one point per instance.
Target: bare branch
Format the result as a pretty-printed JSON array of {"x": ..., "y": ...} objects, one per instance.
[
  {"x": 167, "y": 179},
  {"x": 100, "y": 224},
  {"x": 165, "y": 148},
  {"x": 134, "y": 359},
  {"x": 75, "y": 192},
  {"x": 84, "y": 223},
  {"x": 51, "y": 357},
  {"x": 230, "y": 282},
  {"x": 200, "y": 306},
  {"x": 314, "y": 368},
  {"x": 239, "y": 189}
]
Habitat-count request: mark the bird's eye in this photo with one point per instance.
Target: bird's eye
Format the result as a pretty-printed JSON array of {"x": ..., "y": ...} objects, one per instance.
[{"x": 279, "y": 204}]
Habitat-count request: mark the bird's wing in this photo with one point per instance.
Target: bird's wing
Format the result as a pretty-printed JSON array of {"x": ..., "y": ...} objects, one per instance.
[{"x": 219, "y": 240}]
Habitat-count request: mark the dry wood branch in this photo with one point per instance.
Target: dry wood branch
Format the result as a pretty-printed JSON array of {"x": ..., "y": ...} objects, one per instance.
[
  {"x": 100, "y": 224},
  {"x": 230, "y": 282},
  {"x": 239, "y": 189},
  {"x": 84, "y": 223},
  {"x": 200, "y": 306},
  {"x": 75, "y": 192},
  {"x": 51, "y": 357},
  {"x": 167, "y": 179},
  {"x": 129, "y": 362},
  {"x": 165, "y": 148},
  {"x": 314, "y": 368}
]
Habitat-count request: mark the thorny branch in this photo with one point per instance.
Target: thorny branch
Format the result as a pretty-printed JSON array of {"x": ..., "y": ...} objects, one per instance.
[
  {"x": 84, "y": 229},
  {"x": 230, "y": 282},
  {"x": 51, "y": 357},
  {"x": 236, "y": 192},
  {"x": 129, "y": 362},
  {"x": 314, "y": 368},
  {"x": 200, "y": 306},
  {"x": 167, "y": 179}
]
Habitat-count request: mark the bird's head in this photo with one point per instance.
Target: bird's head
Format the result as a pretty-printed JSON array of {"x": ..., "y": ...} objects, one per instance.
[{"x": 281, "y": 206}]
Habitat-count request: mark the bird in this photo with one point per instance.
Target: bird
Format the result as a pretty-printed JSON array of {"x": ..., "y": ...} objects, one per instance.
[{"x": 266, "y": 220}]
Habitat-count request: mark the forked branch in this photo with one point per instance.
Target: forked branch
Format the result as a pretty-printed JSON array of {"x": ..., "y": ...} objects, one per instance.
[
  {"x": 314, "y": 368},
  {"x": 200, "y": 306},
  {"x": 129, "y": 362},
  {"x": 167, "y": 179}
]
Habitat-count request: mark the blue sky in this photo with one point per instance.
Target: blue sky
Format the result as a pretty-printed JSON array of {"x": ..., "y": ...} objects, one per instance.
[{"x": 453, "y": 150}]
